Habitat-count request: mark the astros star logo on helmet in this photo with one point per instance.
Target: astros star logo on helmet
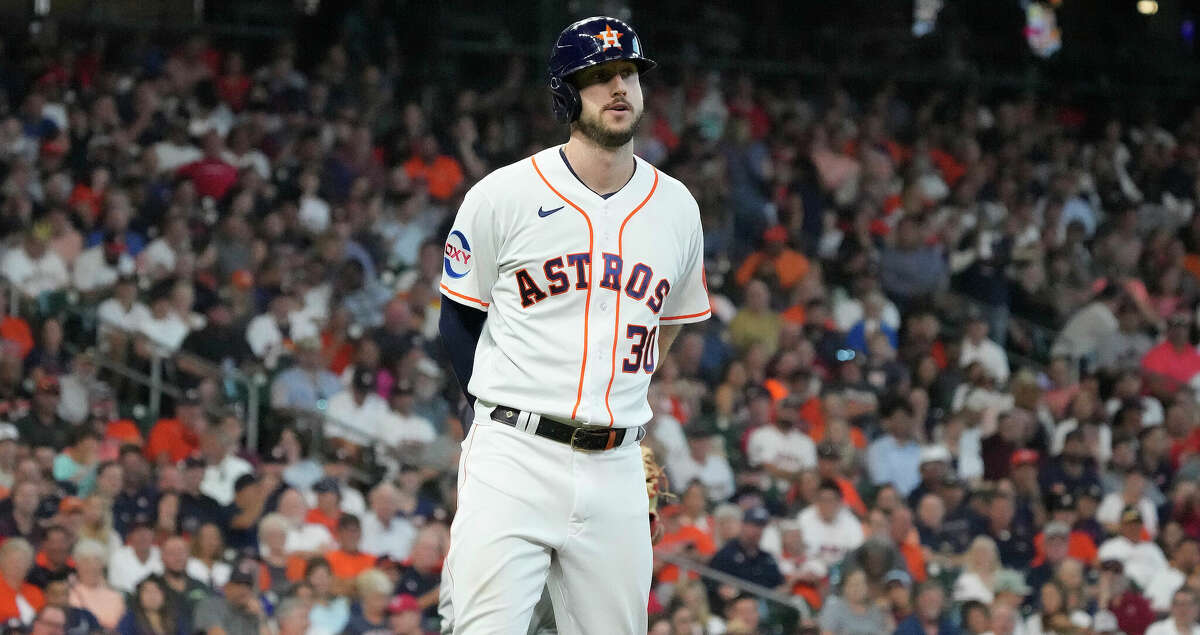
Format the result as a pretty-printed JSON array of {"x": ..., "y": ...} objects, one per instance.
[{"x": 609, "y": 37}]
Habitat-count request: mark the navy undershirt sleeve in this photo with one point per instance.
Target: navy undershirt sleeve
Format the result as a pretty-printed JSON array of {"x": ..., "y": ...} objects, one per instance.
[{"x": 460, "y": 327}]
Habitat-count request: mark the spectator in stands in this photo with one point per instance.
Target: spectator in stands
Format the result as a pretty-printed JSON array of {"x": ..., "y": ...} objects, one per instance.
[
  {"x": 755, "y": 324},
  {"x": 19, "y": 600},
  {"x": 980, "y": 564},
  {"x": 1182, "y": 618},
  {"x": 151, "y": 613},
  {"x": 1081, "y": 336},
  {"x": 357, "y": 413},
  {"x": 222, "y": 466},
  {"x": 830, "y": 529},
  {"x": 742, "y": 557},
  {"x": 42, "y": 427},
  {"x": 911, "y": 271},
  {"x": 895, "y": 457},
  {"x": 1120, "y": 598},
  {"x": 852, "y": 612},
  {"x": 181, "y": 590},
  {"x": 1141, "y": 559},
  {"x": 34, "y": 268},
  {"x": 307, "y": 384},
  {"x": 139, "y": 558},
  {"x": 238, "y": 612},
  {"x": 207, "y": 559},
  {"x": 173, "y": 440},
  {"x": 977, "y": 347},
  {"x": 329, "y": 613},
  {"x": 291, "y": 617},
  {"x": 54, "y": 559},
  {"x": 271, "y": 334},
  {"x": 347, "y": 561},
  {"x": 701, "y": 463},
  {"x": 404, "y": 615},
  {"x": 1184, "y": 560},
  {"x": 384, "y": 532},
  {"x": 930, "y": 615},
  {"x": 91, "y": 591},
  {"x": 778, "y": 265},
  {"x": 1174, "y": 361}
]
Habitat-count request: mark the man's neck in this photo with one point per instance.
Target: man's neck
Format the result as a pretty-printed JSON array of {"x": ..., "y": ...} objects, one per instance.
[{"x": 603, "y": 170}]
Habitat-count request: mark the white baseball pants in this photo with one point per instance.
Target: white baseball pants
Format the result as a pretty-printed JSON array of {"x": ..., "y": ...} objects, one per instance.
[{"x": 534, "y": 513}]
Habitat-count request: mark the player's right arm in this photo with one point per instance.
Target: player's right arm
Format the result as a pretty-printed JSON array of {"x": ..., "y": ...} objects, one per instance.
[
  {"x": 468, "y": 273},
  {"x": 469, "y": 257},
  {"x": 460, "y": 327}
]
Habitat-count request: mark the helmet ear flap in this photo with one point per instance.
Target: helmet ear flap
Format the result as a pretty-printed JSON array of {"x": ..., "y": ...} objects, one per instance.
[{"x": 566, "y": 100}]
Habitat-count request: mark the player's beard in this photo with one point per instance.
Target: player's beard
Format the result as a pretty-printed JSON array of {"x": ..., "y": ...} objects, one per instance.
[{"x": 604, "y": 136}]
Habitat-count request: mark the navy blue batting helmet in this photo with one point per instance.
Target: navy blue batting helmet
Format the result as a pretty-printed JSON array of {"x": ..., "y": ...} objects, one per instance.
[{"x": 587, "y": 43}]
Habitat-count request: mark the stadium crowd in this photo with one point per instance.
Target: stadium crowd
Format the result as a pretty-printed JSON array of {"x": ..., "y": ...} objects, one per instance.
[{"x": 949, "y": 385}]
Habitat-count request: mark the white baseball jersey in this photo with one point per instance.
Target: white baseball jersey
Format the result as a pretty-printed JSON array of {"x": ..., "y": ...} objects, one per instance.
[{"x": 575, "y": 286}]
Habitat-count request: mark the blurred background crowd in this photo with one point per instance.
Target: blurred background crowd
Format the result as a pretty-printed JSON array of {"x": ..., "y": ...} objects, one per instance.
[{"x": 950, "y": 384}]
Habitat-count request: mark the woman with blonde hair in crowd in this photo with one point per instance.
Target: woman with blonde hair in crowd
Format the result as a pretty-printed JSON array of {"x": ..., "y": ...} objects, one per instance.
[
  {"x": 374, "y": 591},
  {"x": 692, "y": 594},
  {"x": 90, "y": 589},
  {"x": 98, "y": 523},
  {"x": 980, "y": 565}
]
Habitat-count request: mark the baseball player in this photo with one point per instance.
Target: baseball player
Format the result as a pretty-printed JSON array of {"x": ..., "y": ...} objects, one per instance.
[{"x": 567, "y": 276}]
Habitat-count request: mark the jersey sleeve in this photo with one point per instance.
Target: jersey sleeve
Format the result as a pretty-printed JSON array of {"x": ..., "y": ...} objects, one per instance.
[
  {"x": 688, "y": 299},
  {"x": 469, "y": 256}
]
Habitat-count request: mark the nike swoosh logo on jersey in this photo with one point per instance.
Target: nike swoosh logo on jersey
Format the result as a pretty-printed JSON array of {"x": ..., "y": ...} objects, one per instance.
[{"x": 546, "y": 212}]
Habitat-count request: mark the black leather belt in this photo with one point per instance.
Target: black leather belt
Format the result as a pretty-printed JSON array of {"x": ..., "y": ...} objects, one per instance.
[{"x": 586, "y": 438}]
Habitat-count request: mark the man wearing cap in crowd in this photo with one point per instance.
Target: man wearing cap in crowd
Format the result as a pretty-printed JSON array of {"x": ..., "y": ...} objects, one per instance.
[
  {"x": 830, "y": 529},
  {"x": 357, "y": 413},
  {"x": 897, "y": 589},
  {"x": 403, "y": 430},
  {"x": 1073, "y": 469},
  {"x": 895, "y": 457},
  {"x": 195, "y": 507},
  {"x": 1141, "y": 558},
  {"x": 239, "y": 611},
  {"x": 829, "y": 466},
  {"x": 742, "y": 558},
  {"x": 780, "y": 450},
  {"x": 139, "y": 558},
  {"x": 42, "y": 427},
  {"x": 172, "y": 440},
  {"x": 328, "y": 508},
  {"x": 935, "y": 464},
  {"x": 1013, "y": 538},
  {"x": 1023, "y": 473},
  {"x": 404, "y": 615},
  {"x": 1053, "y": 547},
  {"x": 701, "y": 463}
]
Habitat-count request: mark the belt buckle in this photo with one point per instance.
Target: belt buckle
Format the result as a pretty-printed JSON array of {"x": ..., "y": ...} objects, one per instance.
[{"x": 577, "y": 430}]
